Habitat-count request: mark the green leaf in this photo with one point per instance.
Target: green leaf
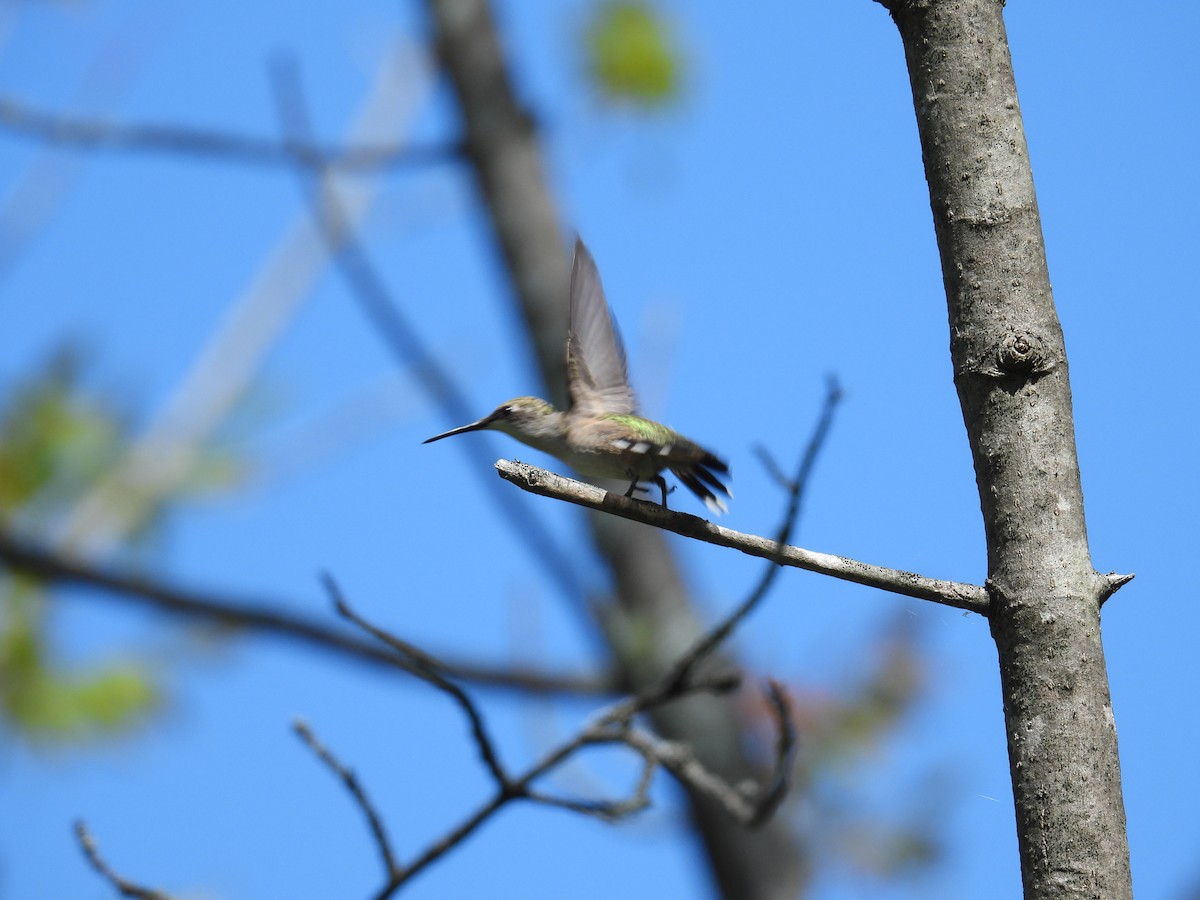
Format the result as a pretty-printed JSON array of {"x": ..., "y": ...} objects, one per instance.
[
  {"x": 630, "y": 53},
  {"x": 54, "y": 440},
  {"x": 51, "y": 706}
]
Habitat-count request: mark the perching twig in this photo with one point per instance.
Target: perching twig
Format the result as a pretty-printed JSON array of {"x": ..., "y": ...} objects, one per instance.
[
  {"x": 970, "y": 597},
  {"x": 124, "y": 887}
]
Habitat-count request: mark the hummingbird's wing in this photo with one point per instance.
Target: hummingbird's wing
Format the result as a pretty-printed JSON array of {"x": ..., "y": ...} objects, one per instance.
[{"x": 596, "y": 376}]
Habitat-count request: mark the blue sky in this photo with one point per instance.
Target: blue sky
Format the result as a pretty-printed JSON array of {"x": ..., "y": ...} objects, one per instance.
[{"x": 771, "y": 229}]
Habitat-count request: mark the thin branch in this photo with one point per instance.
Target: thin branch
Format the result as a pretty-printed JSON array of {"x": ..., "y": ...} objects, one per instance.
[
  {"x": 430, "y": 669},
  {"x": 960, "y": 595},
  {"x": 125, "y": 888},
  {"x": 354, "y": 786},
  {"x": 1113, "y": 582},
  {"x": 785, "y": 756},
  {"x": 796, "y": 486},
  {"x": 773, "y": 469},
  {"x": 271, "y": 618},
  {"x": 680, "y": 673},
  {"x": 22, "y": 120},
  {"x": 681, "y": 761},
  {"x": 607, "y": 810},
  {"x": 612, "y": 726}
]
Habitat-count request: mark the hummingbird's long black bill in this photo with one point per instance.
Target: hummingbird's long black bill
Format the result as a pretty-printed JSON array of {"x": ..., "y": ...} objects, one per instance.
[{"x": 474, "y": 426}]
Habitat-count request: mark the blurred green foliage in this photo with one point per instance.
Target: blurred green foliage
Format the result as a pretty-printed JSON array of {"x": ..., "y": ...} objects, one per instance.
[
  {"x": 631, "y": 55},
  {"x": 54, "y": 442},
  {"x": 45, "y": 703},
  {"x": 58, "y": 440}
]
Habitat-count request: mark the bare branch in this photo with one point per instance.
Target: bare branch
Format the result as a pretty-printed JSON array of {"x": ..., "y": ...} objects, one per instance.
[
  {"x": 678, "y": 758},
  {"x": 1009, "y": 359},
  {"x": 785, "y": 756},
  {"x": 686, "y": 664},
  {"x": 970, "y": 597},
  {"x": 607, "y": 810},
  {"x": 1113, "y": 583},
  {"x": 354, "y": 786},
  {"x": 430, "y": 670},
  {"x": 772, "y": 466},
  {"x": 123, "y": 887},
  {"x": 98, "y": 135},
  {"x": 681, "y": 761},
  {"x": 611, "y": 726},
  {"x": 274, "y": 619}
]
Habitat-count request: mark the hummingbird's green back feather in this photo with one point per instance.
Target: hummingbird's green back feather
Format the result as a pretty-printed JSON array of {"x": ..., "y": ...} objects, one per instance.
[{"x": 646, "y": 429}]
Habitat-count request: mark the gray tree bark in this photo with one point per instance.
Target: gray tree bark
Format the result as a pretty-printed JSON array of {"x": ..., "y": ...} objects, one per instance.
[
  {"x": 1010, "y": 368},
  {"x": 502, "y": 146}
]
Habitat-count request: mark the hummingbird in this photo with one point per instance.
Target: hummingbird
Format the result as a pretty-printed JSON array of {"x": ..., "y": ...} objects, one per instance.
[{"x": 601, "y": 435}]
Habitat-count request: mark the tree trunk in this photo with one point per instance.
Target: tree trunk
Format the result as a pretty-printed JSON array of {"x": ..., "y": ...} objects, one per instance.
[
  {"x": 502, "y": 145},
  {"x": 1010, "y": 368}
]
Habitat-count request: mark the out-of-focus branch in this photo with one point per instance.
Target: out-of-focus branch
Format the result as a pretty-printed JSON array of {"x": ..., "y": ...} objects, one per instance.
[
  {"x": 613, "y": 726},
  {"x": 430, "y": 670},
  {"x": 84, "y": 134},
  {"x": 795, "y": 486},
  {"x": 502, "y": 146},
  {"x": 124, "y": 887},
  {"x": 33, "y": 197},
  {"x": 370, "y": 292},
  {"x": 270, "y": 619},
  {"x": 163, "y": 456},
  {"x": 354, "y": 787}
]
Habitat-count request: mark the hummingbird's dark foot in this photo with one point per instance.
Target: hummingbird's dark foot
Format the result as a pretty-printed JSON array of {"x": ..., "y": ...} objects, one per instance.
[
  {"x": 633, "y": 486},
  {"x": 662, "y": 486}
]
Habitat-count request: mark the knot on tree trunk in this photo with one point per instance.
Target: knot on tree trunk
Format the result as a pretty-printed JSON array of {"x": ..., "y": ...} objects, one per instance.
[
  {"x": 1019, "y": 354},
  {"x": 1022, "y": 353}
]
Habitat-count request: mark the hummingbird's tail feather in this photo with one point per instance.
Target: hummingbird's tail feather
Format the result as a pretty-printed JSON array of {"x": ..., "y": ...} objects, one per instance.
[
  {"x": 708, "y": 477},
  {"x": 700, "y": 478},
  {"x": 709, "y": 461}
]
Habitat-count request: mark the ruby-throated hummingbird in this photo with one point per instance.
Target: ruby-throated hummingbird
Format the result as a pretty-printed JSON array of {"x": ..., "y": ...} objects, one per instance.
[{"x": 601, "y": 435}]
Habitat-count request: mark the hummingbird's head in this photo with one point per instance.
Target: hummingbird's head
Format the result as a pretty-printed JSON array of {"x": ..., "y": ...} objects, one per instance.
[{"x": 519, "y": 418}]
